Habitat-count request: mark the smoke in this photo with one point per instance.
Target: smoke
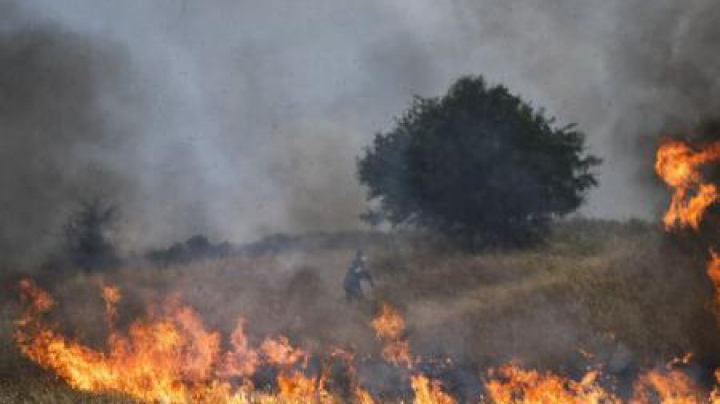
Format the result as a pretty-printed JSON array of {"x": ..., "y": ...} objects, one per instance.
[
  {"x": 58, "y": 145},
  {"x": 239, "y": 119},
  {"x": 627, "y": 72},
  {"x": 665, "y": 78}
]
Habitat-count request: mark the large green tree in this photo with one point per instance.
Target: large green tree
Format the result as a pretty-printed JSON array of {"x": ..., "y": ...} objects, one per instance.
[{"x": 478, "y": 164}]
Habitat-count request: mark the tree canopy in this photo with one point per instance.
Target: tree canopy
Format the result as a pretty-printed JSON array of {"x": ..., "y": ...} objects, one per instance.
[{"x": 479, "y": 164}]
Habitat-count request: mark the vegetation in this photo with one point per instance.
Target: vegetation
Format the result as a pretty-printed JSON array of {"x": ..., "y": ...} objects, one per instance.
[
  {"x": 87, "y": 239},
  {"x": 197, "y": 247},
  {"x": 611, "y": 289},
  {"x": 478, "y": 164}
]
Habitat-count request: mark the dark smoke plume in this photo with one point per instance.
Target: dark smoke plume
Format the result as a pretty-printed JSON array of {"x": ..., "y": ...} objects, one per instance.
[{"x": 58, "y": 90}]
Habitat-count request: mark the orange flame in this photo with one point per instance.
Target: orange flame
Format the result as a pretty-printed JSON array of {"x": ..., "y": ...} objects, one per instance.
[
  {"x": 171, "y": 358},
  {"x": 168, "y": 358},
  {"x": 363, "y": 397},
  {"x": 678, "y": 165},
  {"x": 241, "y": 360},
  {"x": 390, "y": 328},
  {"x": 513, "y": 385},
  {"x": 673, "y": 387},
  {"x": 427, "y": 392},
  {"x": 297, "y": 388}
]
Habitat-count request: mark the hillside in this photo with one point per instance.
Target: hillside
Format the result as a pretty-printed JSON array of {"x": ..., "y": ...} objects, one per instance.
[{"x": 596, "y": 292}]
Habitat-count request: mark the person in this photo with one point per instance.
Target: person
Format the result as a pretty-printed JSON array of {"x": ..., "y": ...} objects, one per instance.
[{"x": 355, "y": 275}]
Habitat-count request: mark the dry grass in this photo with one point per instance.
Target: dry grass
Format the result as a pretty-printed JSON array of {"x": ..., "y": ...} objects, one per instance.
[
  {"x": 49, "y": 392},
  {"x": 615, "y": 290}
]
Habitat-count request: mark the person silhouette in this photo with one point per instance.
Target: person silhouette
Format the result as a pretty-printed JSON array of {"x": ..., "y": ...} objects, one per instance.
[{"x": 356, "y": 273}]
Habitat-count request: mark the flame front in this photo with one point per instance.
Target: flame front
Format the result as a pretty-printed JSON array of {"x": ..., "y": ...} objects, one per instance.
[
  {"x": 513, "y": 385},
  {"x": 171, "y": 358},
  {"x": 166, "y": 359}
]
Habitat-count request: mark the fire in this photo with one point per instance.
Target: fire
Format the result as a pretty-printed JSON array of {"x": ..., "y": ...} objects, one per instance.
[
  {"x": 280, "y": 352},
  {"x": 512, "y": 385},
  {"x": 363, "y": 397},
  {"x": 297, "y": 388},
  {"x": 671, "y": 387},
  {"x": 168, "y": 356},
  {"x": 390, "y": 328},
  {"x": 678, "y": 165},
  {"x": 241, "y": 360},
  {"x": 429, "y": 392}
]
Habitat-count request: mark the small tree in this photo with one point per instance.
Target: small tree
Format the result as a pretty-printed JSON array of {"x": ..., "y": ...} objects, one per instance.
[
  {"x": 478, "y": 164},
  {"x": 86, "y": 236}
]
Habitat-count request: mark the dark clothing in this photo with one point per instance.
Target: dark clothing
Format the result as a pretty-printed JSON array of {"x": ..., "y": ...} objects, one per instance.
[{"x": 353, "y": 280}]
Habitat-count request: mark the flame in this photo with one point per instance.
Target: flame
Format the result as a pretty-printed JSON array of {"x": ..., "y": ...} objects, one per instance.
[
  {"x": 429, "y": 392},
  {"x": 512, "y": 385},
  {"x": 389, "y": 326},
  {"x": 678, "y": 165},
  {"x": 297, "y": 388},
  {"x": 672, "y": 387},
  {"x": 169, "y": 357},
  {"x": 280, "y": 352},
  {"x": 241, "y": 360},
  {"x": 363, "y": 397}
]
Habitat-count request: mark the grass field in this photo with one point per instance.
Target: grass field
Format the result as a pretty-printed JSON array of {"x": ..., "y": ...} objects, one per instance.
[{"x": 619, "y": 294}]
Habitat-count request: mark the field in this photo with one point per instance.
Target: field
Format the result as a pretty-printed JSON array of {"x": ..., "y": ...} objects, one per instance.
[{"x": 618, "y": 294}]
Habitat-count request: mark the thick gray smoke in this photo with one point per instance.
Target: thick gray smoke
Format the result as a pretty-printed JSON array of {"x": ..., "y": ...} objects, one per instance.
[
  {"x": 664, "y": 73},
  {"x": 237, "y": 119},
  {"x": 59, "y": 144},
  {"x": 629, "y": 72}
]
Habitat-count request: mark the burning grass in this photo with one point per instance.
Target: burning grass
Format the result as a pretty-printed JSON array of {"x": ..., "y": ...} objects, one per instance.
[
  {"x": 608, "y": 290},
  {"x": 49, "y": 391},
  {"x": 524, "y": 311}
]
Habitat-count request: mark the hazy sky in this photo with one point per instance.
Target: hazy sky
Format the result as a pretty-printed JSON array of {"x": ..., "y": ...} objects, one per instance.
[{"x": 239, "y": 118}]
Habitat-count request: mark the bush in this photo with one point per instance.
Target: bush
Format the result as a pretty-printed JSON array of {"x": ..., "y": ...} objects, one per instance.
[
  {"x": 87, "y": 240},
  {"x": 479, "y": 165}
]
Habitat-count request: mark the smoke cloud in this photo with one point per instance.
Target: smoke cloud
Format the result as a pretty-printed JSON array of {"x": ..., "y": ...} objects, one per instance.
[
  {"x": 239, "y": 119},
  {"x": 59, "y": 145}
]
